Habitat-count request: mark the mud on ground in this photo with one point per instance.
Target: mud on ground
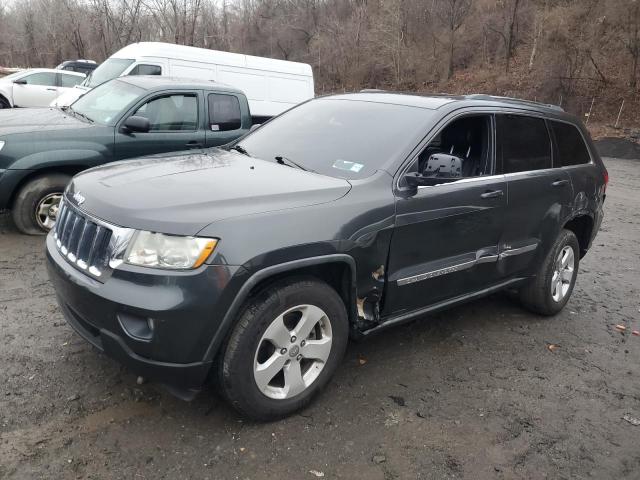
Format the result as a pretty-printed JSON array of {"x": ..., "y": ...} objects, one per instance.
[{"x": 472, "y": 393}]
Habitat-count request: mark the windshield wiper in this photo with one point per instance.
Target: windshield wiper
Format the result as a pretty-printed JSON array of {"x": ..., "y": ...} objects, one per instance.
[
  {"x": 290, "y": 163},
  {"x": 240, "y": 149},
  {"x": 75, "y": 112}
]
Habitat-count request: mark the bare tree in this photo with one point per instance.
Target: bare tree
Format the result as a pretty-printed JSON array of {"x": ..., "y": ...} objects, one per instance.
[
  {"x": 631, "y": 39},
  {"x": 452, "y": 13}
]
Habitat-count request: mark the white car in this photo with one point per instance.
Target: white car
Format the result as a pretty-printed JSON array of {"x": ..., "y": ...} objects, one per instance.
[{"x": 36, "y": 87}]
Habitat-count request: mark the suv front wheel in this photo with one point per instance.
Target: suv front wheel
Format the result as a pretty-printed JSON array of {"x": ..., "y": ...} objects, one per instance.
[
  {"x": 550, "y": 290},
  {"x": 285, "y": 347}
]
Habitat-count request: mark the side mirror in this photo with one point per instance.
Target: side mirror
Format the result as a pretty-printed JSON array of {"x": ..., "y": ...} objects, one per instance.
[
  {"x": 20, "y": 81},
  {"x": 136, "y": 124}
]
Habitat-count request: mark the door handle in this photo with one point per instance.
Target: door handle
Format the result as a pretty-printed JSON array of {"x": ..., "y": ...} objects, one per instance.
[
  {"x": 52, "y": 89},
  {"x": 560, "y": 183},
  {"x": 194, "y": 144},
  {"x": 492, "y": 194}
]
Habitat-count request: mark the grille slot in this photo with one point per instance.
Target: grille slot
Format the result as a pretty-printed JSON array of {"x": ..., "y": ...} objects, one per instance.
[{"x": 84, "y": 243}]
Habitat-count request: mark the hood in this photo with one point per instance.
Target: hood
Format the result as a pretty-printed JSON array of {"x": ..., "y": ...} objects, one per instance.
[
  {"x": 71, "y": 95},
  {"x": 26, "y": 120},
  {"x": 183, "y": 193}
]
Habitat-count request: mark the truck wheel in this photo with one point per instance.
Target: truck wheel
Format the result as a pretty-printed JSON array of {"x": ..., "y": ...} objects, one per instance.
[
  {"x": 36, "y": 205},
  {"x": 549, "y": 292},
  {"x": 286, "y": 345}
]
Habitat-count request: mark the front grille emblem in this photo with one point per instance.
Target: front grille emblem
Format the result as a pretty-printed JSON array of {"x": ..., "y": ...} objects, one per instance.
[{"x": 79, "y": 198}]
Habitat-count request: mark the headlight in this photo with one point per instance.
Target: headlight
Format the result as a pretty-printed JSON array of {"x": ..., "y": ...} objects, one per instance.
[
  {"x": 168, "y": 251},
  {"x": 1, "y": 144}
]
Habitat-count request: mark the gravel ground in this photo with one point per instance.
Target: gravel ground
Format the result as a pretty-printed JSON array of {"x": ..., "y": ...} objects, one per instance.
[{"x": 473, "y": 393}]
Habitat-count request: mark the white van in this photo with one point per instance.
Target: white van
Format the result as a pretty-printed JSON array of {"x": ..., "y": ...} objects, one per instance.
[{"x": 272, "y": 86}]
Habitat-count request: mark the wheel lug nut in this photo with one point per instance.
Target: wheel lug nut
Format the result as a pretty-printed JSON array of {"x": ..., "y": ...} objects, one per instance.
[
  {"x": 302, "y": 343},
  {"x": 283, "y": 351},
  {"x": 293, "y": 339},
  {"x": 299, "y": 357}
]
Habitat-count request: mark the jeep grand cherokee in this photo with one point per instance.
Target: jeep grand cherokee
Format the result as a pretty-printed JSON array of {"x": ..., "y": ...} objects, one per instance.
[{"x": 348, "y": 214}]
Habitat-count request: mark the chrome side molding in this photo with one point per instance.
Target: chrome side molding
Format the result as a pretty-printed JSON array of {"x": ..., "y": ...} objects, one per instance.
[{"x": 466, "y": 265}]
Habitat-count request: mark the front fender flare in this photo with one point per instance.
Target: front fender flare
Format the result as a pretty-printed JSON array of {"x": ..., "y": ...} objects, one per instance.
[{"x": 230, "y": 315}]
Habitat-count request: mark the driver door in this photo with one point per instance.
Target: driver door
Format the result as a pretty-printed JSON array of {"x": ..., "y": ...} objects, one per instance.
[
  {"x": 39, "y": 90},
  {"x": 445, "y": 243},
  {"x": 175, "y": 125}
]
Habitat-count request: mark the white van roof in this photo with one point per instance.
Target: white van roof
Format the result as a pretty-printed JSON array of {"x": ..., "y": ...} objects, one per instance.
[{"x": 195, "y": 54}]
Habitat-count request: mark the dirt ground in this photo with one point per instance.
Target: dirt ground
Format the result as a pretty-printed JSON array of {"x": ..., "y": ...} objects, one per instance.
[{"x": 472, "y": 393}]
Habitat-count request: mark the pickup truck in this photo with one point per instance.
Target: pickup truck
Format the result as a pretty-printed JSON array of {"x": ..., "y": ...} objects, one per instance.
[{"x": 41, "y": 149}]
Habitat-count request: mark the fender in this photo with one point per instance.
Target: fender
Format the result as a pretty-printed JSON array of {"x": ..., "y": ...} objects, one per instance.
[
  {"x": 230, "y": 316},
  {"x": 59, "y": 158}
]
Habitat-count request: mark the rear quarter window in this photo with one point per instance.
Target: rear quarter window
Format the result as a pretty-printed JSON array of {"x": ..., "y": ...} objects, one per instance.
[{"x": 570, "y": 146}]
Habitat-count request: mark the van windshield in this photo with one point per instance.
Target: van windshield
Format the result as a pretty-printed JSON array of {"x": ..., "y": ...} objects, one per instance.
[
  {"x": 107, "y": 70},
  {"x": 340, "y": 138},
  {"x": 105, "y": 103}
]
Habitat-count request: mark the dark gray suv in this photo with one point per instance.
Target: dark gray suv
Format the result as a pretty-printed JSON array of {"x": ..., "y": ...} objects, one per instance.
[{"x": 253, "y": 264}]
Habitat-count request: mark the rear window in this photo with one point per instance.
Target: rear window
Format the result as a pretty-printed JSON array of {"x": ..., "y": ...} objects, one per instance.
[
  {"x": 224, "y": 112},
  {"x": 571, "y": 149},
  {"x": 523, "y": 143}
]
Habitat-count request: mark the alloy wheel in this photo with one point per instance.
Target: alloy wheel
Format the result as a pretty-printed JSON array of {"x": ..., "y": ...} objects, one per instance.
[
  {"x": 292, "y": 352},
  {"x": 563, "y": 273},
  {"x": 47, "y": 210}
]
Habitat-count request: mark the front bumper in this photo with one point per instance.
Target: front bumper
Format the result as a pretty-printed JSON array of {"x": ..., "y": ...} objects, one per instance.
[{"x": 183, "y": 309}]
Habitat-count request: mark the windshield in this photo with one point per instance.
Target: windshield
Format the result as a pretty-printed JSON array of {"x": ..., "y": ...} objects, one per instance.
[
  {"x": 105, "y": 103},
  {"x": 341, "y": 138},
  {"x": 107, "y": 70}
]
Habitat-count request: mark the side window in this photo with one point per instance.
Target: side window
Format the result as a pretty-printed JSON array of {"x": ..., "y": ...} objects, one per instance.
[
  {"x": 224, "y": 112},
  {"x": 523, "y": 143},
  {"x": 146, "y": 70},
  {"x": 69, "y": 81},
  {"x": 571, "y": 149},
  {"x": 171, "y": 112},
  {"x": 46, "y": 79},
  {"x": 461, "y": 150}
]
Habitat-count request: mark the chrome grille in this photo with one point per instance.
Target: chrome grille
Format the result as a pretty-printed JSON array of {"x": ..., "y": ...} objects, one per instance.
[{"x": 83, "y": 242}]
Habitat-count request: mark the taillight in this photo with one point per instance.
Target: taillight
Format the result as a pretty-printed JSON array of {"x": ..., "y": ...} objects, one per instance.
[{"x": 606, "y": 179}]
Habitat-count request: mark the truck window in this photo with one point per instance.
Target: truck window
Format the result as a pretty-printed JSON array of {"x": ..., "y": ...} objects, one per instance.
[
  {"x": 523, "y": 143},
  {"x": 171, "y": 113},
  {"x": 146, "y": 70},
  {"x": 571, "y": 149},
  {"x": 224, "y": 112}
]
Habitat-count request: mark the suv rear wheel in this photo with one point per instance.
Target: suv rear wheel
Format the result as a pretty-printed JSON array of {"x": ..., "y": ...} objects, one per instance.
[
  {"x": 287, "y": 344},
  {"x": 36, "y": 205},
  {"x": 549, "y": 292}
]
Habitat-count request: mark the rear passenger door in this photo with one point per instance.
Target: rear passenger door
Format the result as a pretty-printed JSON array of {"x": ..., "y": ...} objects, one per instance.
[
  {"x": 224, "y": 119},
  {"x": 539, "y": 195},
  {"x": 175, "y": 125}
]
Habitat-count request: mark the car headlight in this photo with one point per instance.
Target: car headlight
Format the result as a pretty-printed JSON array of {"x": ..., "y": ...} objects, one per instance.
[
  {"x": 150, "y": 249},
  {"x": 1, "y": 144}
]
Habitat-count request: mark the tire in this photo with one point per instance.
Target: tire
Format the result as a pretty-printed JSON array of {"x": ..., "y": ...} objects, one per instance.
[
  {"x": 544, "y": 295},
  {"x": 248, "y": 349},
  {"x": 40, "y": 194},
  {"x": 4, "y": 103}
]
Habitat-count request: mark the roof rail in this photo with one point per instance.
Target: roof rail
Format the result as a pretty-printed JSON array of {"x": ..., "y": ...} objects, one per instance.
[
  {"x": 372, "y": 90},
  {"x": 482, "y": 96}
]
